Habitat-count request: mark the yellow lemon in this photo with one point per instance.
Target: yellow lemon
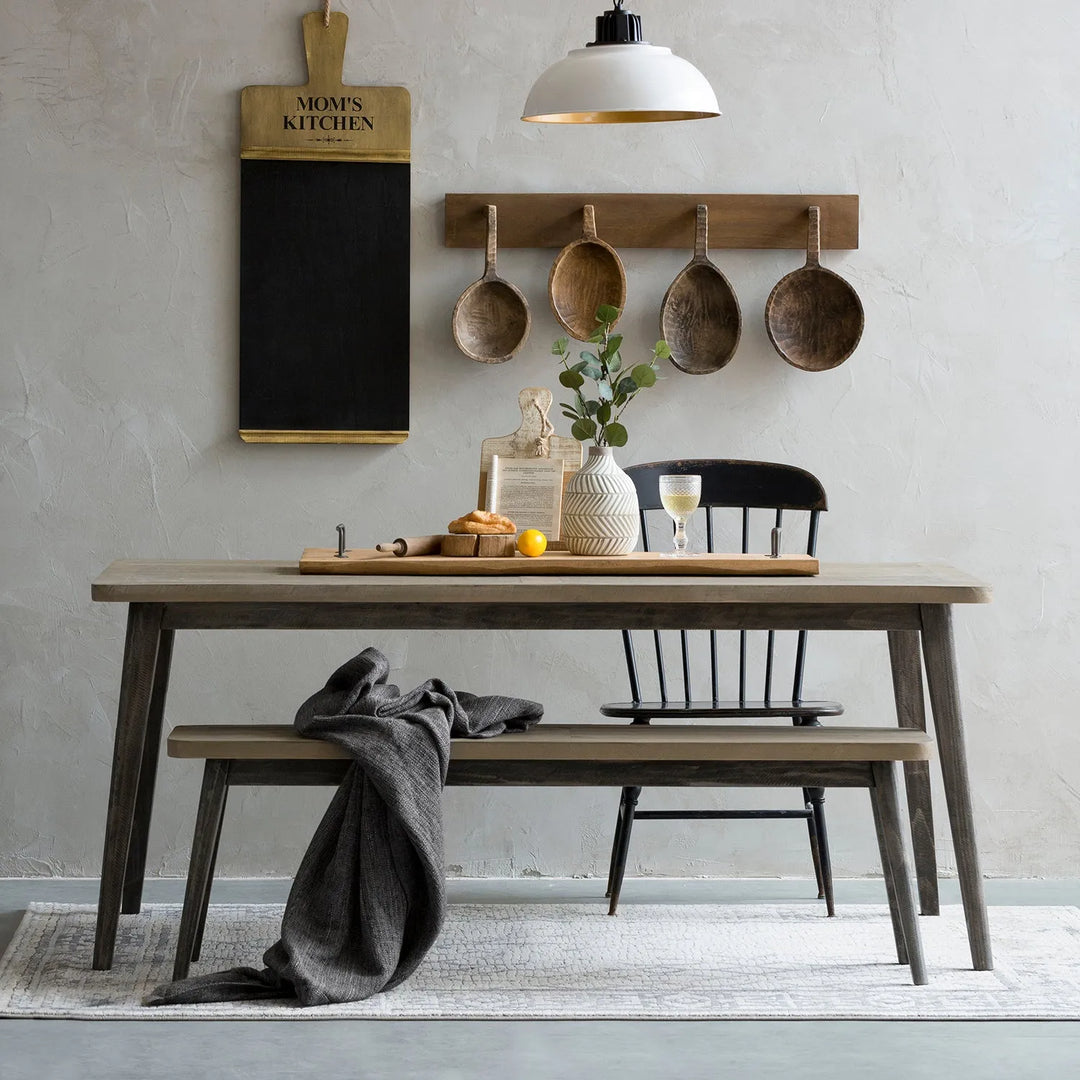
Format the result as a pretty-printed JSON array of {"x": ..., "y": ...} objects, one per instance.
[{"x": 532, "y": 542}]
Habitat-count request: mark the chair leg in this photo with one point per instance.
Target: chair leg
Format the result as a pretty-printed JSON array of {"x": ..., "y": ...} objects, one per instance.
[
  {"x": 630, "y": 798},
  {"x": 215, "y": 787},
  {"x": 890, "y": 883},
  {"x": 814, "y": 853},
  {"x": 815, "y": 826},
  {"x": 817, "y": 804},
  {"x": 615, "y": 840},
  {"x": 884, "y": 793}
]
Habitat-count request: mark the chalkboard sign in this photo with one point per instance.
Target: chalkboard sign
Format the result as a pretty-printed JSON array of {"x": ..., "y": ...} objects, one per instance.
[{"x": 324, "y": 255}]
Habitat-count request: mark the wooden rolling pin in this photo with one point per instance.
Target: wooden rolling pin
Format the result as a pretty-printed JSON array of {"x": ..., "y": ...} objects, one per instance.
[{"x": 413, "y": 545}]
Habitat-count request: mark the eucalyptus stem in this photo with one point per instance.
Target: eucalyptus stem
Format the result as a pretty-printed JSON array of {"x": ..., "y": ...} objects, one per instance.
[{"x": 598, "y": 419}]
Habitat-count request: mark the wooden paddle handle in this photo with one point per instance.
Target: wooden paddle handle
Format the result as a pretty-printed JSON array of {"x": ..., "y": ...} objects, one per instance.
[
  {"x": 701, "y": 234},
  {"x": 413, "y": 545},
  {"x": 813, "y": 237},
  {"x": 324, "y": 44},
  {"x": 589, "y": 222},
  {"x": 492, "y": 242}
]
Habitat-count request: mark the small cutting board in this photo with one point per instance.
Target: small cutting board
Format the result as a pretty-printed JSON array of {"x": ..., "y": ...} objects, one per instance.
[
  {"x": 535, "y": 438},
  {"x": 369, "y": 561}
]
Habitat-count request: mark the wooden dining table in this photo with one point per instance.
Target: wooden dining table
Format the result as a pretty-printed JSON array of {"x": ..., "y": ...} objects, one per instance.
[{"x": 911, "y": 602}]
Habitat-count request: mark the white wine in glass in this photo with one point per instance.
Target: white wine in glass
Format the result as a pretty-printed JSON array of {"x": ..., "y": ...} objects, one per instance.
[{"x": 680, "y": 496}]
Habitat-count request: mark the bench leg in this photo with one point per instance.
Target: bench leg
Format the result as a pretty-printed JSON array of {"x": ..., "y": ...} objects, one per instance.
[
  {"x": 888, "y": 808},
  {"x": 215, "y": 788},
  {"x": 196, "y": 951},
  {"x": 626, "y": 824},
  {"x": 890, "y": 883}
]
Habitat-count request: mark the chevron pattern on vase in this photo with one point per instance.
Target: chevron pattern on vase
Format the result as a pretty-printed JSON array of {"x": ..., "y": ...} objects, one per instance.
[{"x": 600, "y": 508}]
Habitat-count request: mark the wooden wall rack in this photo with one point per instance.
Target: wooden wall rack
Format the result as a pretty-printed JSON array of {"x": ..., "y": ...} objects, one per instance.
[{"x": 652, "y": 221}]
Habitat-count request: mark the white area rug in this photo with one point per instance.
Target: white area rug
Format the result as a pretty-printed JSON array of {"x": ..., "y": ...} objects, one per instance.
[{"x": 572, "y": 961}]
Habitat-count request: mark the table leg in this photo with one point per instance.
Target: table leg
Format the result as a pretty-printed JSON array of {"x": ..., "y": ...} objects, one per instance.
[
  {"x": 911, "y": 713},
  {"x": 136, "y": 691},
  {"x": 135, "y": 873},
  {"x": 940, "y": 656}
]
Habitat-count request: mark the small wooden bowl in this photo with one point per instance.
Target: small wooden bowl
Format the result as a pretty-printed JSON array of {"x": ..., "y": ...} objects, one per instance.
[
  {"x": 813, "y": 317},
  {"x": 586, "y": 275},
  {"x": 700, "y": 318},
  {"x": 491, "y": 319}
]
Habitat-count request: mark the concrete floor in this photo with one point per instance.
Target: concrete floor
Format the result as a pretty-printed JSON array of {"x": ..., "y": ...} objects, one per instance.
[{"x": 538, "y": 1050}]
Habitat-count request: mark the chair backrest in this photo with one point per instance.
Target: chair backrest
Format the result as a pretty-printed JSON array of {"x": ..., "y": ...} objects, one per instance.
[{"x": 734, "y": 485}]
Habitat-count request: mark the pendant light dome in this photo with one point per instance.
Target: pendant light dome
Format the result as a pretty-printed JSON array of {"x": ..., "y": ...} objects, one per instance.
[{"x": 620, "y": 79}]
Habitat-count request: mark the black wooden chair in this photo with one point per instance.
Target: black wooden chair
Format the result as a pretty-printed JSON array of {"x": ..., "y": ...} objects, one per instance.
[{"x": 742, "y": 486}]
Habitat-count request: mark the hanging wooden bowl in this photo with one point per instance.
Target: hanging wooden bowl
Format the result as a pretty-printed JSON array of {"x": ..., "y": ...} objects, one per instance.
[
  {"x": 700, "y": 317},
  {"x": 814, "y": 318},
  {"x": 491, "y": 318},
  {"x": 586, "y": 275}
]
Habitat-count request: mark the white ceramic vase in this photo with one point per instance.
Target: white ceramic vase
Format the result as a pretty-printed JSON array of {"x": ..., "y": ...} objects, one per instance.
[{"x": 600, "y": 508}]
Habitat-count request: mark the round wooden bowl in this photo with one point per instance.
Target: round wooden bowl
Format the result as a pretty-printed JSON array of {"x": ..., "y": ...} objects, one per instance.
[
  {"x": 813, "y": 317},
  {"x": 491, "y": 319},
  {"x": 586, "y": 275},
  {"x": 700, "y": 318}
]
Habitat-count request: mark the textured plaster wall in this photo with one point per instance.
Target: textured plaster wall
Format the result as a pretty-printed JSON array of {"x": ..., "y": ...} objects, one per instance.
[{"x": 950, "y": 435}]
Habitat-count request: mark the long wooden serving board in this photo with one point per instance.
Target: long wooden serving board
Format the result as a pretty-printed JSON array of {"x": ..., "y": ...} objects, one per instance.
[
  {"x": 324, "y": 254},
  {"x": 369, "y": 561}
]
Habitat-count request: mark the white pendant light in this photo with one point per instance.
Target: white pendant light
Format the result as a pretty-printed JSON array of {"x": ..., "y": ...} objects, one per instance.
[{"x": 620, "y": 79}]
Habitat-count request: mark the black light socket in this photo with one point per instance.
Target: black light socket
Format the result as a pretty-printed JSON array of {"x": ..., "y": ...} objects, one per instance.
[{"x": 618, "y": 27}]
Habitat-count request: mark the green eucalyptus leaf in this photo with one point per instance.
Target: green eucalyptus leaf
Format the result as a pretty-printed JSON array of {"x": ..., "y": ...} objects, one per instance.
[
  {"x": 603, "y": 390},
  {"x": 559, "y": 347},
  {"x": 621, "y": 399},
  {"x": 590, "y": 365},
  {"x": 596, "y": 336},
  {"x": 662, "y": 350},
  {"x": 579, "y": 366},
  {"x": 615, "y": 435},
  {"x": 614, "y": 363},
  {"x": 644, "y": 375},
  {"x": 603, "y": 414},
  {"x": 571, "y": 379},
  {"x": 626, "y": 386},
  {"x": 591, "y": 407},
  {"x": 608, "y": 314},
  {"x": 583, "y": 430},
  {"x": 612, "y": 346}
]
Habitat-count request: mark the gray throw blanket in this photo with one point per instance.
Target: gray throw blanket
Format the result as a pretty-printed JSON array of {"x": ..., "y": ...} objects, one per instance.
[{"x": 368, "y": 900}]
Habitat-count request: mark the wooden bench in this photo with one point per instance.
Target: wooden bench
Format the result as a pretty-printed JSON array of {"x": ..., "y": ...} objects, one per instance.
[{"x": 571, "y": 755}]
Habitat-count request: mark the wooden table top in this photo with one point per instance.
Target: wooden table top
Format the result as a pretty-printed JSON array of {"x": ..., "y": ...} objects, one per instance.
[{"x": 174, "y": 581}]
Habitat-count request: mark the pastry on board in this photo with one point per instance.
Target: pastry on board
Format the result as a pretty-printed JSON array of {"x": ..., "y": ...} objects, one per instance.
[{"x": 482, "y": 523}]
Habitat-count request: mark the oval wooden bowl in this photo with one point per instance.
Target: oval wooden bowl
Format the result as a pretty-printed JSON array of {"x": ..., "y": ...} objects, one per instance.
[
  {"x": 491, "y": 319},
  {"x": 700, "y": 318},
  {"x": 813, "y": 317},
  {"x": 586, "y": 274}
]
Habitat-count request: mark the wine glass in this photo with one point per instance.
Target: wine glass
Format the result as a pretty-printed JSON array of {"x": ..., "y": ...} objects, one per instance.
[{"x": 680, "y": 496}]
